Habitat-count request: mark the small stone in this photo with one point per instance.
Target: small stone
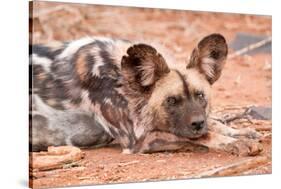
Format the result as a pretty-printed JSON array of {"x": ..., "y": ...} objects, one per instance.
[{"x": 260, "y": 112}]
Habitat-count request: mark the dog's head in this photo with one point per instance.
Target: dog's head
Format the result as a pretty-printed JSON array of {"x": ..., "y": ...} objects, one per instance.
[{"x": 174, "y": 100}]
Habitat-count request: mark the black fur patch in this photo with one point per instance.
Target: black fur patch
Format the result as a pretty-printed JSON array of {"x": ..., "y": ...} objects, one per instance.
[
  {"x": 185, "y": 87},
  {"x": 215, "y": 54},
  {"x": 48, "y": 87},
  {"x": 67, "y": 81},
  {"x": 104, "y": 86},
  {"x": 45, "y": 51}
]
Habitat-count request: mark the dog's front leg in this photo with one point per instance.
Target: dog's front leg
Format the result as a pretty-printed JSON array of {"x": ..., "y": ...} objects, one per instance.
[
  {"x": 220, "y": 142},
  {"x": 218, "y": 127},
  {"x": 162, "y": 141}
]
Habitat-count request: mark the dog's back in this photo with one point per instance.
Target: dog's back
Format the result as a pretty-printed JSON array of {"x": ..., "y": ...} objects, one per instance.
[{"x": 73, "y": 85}]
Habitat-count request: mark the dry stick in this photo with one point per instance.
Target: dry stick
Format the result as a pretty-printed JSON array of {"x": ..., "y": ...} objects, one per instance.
[
  {"x": 235, "y": 168},
  {"x": 250, "y": 47},
  {"x": 243, "y": 115},
  {"x": 55, "y": 158},
  {"x": 230, "y": 107},
  {"x": 128, "y": 163},
  {"x": 264, "y": 128}
]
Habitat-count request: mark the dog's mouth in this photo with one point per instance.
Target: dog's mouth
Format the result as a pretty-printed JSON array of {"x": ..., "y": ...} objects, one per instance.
[
  {"x": 192, "y": 134},
  {"x": 200, "y": 135}
]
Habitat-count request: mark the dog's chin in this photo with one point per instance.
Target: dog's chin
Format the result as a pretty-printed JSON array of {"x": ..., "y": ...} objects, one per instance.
[
  {"x": 194, "y": 137},
  {"x": 192, "y": 134}
]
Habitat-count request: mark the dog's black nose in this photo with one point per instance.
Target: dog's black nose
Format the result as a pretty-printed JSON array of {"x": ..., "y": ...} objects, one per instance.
[{"x": 198, "y": 125}]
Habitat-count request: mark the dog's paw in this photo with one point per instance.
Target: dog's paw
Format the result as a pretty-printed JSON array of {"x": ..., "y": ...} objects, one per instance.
[
  {"x": 248, "y": 133},
  {"x": 251, "y": 133},
  {"x": 244, "y": 148},
  {"x": 127, "y": 151}
]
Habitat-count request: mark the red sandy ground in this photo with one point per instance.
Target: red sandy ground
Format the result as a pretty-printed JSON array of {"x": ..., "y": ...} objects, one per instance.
[{"x": 246, "y": 80}]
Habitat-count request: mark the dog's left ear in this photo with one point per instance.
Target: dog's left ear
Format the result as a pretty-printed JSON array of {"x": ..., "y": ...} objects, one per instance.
[
  {"x": 143, "y": 66},
  {"x": 209, "y": 56}
]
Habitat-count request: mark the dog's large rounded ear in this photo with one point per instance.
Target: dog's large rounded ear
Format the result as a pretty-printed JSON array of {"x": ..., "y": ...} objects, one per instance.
[
  {"x": 209, "y": 56},
  {"x": 143, "y": 66}
]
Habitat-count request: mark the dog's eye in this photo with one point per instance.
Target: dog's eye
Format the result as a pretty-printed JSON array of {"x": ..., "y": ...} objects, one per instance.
[
  {"x": 200, "y": 95},
  {"x": 171, "y": 100}
]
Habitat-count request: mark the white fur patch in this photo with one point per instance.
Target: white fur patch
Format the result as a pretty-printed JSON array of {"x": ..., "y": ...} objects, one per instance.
[
  {"x": 126, "y": 151},
  {"x": 208, "y": 66},
  {"x": 74, "y": 46},
  {"x": 43, "y": 61},
  {"x": 42, "y": 107},
  {"x": 85, "y": 103},
  {"x": 98, "y": 61},
  {"x": 138, "y": 131},
  {"x": 107, "y": 101},
  {"x": 104, "y": 123},
  {"x": 147, "y": 72}
]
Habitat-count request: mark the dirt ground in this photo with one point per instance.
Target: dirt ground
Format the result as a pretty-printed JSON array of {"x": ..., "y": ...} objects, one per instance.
[{"x": 246, "y": 81}]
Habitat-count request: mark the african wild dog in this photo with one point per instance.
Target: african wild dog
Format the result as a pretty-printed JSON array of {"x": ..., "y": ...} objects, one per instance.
[{"x": 90, "y": 91}]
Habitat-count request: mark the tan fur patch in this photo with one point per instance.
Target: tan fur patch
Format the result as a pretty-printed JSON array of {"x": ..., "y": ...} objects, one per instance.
[
  {"x": 119, "y": 52},
  {"x": 197, "y": 82},
  {"x": 167, "y": 86},
  {"x": 81, "y": 66},
  {"x": 41, "y": 76},
  {"x": 171, "y": 85},
  {"x": 55, "y": 45},
  {"x": 51, "y": 102}
]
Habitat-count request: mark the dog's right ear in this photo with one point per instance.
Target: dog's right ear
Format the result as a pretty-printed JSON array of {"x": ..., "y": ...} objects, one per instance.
[
  {"x": 209, "y": 56},
  {"x": 143, "y": 66}
]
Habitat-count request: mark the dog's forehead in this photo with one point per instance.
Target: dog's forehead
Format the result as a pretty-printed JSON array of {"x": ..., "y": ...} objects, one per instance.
[
  {"x": 195, "y": 80},
  {"x": 174, "y": 81},
  {"x": 170, "y": 84}
]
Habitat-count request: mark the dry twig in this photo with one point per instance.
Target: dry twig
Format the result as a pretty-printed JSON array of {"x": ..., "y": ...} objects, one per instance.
[
  {"x": 264, "y": 128},
  {"x": 128, "y": 163},
  {"x": 243, "y": 115},
  {"x": 55, "y": 158},
  {"x": 235, "y": 168},
  {"x": 250, "y": 47}
]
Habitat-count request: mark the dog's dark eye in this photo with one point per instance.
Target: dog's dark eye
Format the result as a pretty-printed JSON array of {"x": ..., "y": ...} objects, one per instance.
[
  {"x": 200, "y": 95},
  {"x": 171, "y": 100}
]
